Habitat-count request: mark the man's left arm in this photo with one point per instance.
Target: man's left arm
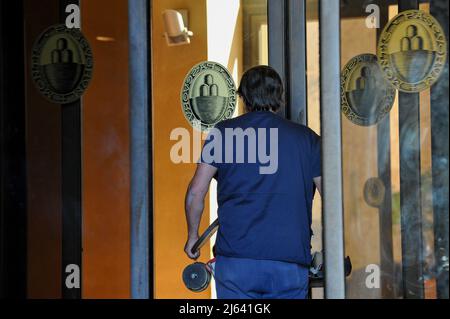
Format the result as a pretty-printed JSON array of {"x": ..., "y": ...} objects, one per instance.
[{"x": 195, "y": 202}]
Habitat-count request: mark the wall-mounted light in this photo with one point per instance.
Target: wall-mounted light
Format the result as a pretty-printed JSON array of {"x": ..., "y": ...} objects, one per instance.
[
  {"x": 175, "y": 23},
  {"x": 102, "y": 38}
]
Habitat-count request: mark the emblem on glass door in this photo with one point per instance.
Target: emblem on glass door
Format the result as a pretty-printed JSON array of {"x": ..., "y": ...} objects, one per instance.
[
  {"x": 374, "y": 192},
  {"x": 412, "y": 51},
  {"x": 62, "y": 64},
  {"x": 366, "y": 97},
  {"x": 208, "y": 95}
]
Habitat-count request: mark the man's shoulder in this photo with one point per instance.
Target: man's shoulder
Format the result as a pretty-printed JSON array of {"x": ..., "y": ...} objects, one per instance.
[
  {"x": 298, "y": 129},
  {"x": 288, "y": 126},
  {"x": 234, "y": 122}
]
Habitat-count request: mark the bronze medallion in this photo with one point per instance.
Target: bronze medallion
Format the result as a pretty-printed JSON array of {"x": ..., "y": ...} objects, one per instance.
[
  {"x": 62, "y": 64},
  {"x": 412, "y": 51},
  {"x": 366, "y": 97},
  {"x": 208, "y": 95}
]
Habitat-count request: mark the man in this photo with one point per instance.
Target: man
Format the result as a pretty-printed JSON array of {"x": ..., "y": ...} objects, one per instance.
[{"x": 264, "y": 238}]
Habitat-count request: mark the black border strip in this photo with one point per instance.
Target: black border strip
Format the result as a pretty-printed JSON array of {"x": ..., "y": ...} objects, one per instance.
[{"x": 13, "y": 172}]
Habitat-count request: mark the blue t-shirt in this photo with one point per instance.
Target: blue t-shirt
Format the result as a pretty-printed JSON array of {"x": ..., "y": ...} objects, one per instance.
[{"x": 265, "y": 205}]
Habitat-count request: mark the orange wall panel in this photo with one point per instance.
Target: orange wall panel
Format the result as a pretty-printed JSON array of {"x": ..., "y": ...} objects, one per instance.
[
  {"x": 106, "y": 167},
  {"x": 170, "y": 66}
]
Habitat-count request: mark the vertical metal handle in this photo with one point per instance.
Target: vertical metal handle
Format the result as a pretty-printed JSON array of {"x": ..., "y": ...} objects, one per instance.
[{"x": 332, "y": 149}]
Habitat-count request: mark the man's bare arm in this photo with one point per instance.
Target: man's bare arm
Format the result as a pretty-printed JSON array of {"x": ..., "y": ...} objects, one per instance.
[
  {"x": 195, "y": 202},
  {"x": 318, "y": 183}
]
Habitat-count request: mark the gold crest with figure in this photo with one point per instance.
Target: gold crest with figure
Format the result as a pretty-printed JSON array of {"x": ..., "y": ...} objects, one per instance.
[
  {"x": 366, "y": 97},
  {"x": 208, "y": 95},
  {"x": 412, "y": 51},
  {"x": 62, "y": 64}
]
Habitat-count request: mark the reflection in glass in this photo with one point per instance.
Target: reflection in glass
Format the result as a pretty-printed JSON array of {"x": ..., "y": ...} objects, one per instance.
[{"x": 398, "y": 152}]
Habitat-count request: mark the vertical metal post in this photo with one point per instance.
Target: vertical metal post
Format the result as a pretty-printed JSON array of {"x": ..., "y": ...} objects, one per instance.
[
  {"x": 276, "y": 21},
  {"x": 140, "y": 125},
  {"x": 410, "y": 196},
  {"x": 296, "y": 70},
  {"x": 71, "y": 188},
  {"x": 71, "y": 194},
  {"x": 332, "y": 149},
  {"x": 410, "y": 188},
  {"x": 439, "y": 141},
  {"x": 387, "y": 266},
  {"x": 287, "y": 42}
]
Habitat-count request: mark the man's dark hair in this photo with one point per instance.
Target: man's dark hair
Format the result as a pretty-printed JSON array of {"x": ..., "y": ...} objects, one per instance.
[{"x": 261, "y": 89}]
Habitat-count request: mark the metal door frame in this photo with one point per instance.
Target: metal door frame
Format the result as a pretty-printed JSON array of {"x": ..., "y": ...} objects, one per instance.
[
  {"x": 141, "y": 183},
  {"x": 287, "y": 54}
]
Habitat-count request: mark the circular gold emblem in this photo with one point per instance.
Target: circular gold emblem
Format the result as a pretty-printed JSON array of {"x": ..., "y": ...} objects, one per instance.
[
  {"x": 412, "y": 51},
  {"x": 374, "y": 192},
  {"x": 62, "y": 64},
  {"x": 208, "y": 95},
  {"x": 366, "y": 97}
]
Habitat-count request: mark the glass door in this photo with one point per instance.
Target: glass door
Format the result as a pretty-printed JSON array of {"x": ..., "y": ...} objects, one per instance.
[
  {"x": 394, "y": 149},
  {"x": 233, "y": 34},
  {"x": 395, "y": 209},
  {"x": 390, "y": 172}
]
